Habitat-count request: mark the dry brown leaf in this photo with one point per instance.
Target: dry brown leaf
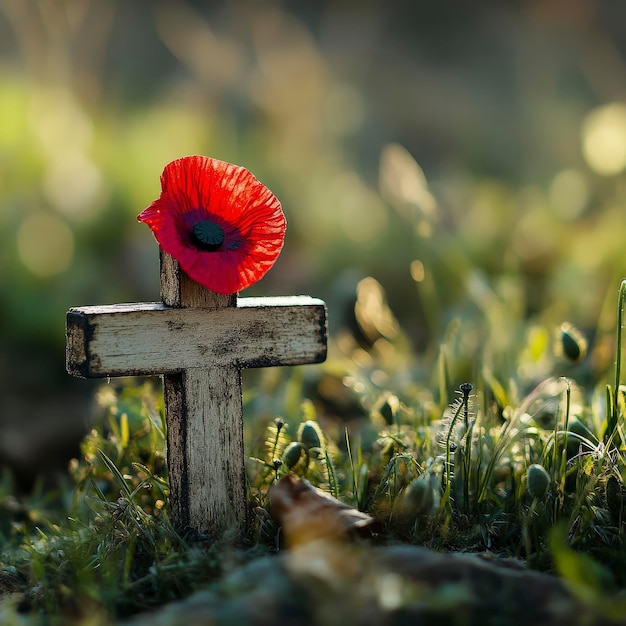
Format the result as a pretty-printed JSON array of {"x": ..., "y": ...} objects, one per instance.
[{"x": 307, "y": 514}]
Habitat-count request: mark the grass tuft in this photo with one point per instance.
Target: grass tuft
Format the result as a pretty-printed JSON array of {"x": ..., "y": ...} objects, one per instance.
[{"x": 533, "y": 469}]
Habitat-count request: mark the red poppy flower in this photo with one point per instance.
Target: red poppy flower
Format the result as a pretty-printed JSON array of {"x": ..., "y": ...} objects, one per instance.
[{"x": 223, "y": 226}]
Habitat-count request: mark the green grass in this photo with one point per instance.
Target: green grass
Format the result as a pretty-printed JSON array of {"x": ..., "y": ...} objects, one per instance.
[{"x": 452, "y": 477}]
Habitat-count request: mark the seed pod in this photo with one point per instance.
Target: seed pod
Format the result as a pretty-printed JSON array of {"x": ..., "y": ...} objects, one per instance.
[
  {"x": 310, "y": 435},
  {"x": 537, "y": 481},
  {"x": 570, "y": 343},
  {"x": 292, "y": 454},
  {"x": 387, "y": 408},
  {"x": 418, "y": 497}
]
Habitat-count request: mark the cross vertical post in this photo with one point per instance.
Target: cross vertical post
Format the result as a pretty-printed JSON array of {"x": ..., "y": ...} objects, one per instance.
[
  {"x": 204, "y": 413},
  {"x": 199, "y": 341}
]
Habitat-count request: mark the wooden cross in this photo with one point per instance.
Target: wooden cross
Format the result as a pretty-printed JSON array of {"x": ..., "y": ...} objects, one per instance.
[{"x": 200, "y": 341}]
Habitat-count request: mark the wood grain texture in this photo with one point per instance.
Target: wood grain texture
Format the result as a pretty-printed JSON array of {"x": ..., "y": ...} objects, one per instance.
[
  {"x": 151, "y": 338},
  {"x": 206, "y": 457}
]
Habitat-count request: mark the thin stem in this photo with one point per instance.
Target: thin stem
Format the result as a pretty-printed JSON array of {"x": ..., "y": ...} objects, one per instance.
[
  {"x": 563, "y": 460},
  {"x": 618, "y": 361},
  {"x": 355, "y": 480},
  {"x": 446, "y": 474},
  {"x": 618, "y": 355},
  {"x": 466, "y": 389}
]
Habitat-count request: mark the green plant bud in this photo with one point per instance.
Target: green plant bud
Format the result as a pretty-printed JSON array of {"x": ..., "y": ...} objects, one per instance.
[
  {"x": 292, "y": 454},
  {"x": 310, "y": 435},
  {"x": 387, "y": 407},
  {"x": 537, "y": 481},
  {"x": 466, "y": 389},
  {"x": 570, "y": 343},
  {"x": 418, "y": 497}
]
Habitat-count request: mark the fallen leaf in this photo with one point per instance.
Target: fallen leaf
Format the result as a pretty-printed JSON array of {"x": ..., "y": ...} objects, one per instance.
[{"x": 308, "y": 514}]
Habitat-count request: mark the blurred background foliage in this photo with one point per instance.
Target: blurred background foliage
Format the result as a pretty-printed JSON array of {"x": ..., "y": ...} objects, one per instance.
[{"x": 466, "y": 159}]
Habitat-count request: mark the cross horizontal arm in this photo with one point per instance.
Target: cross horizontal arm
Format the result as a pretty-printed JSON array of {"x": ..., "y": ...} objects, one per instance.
[{"x": 151, "y": 338}]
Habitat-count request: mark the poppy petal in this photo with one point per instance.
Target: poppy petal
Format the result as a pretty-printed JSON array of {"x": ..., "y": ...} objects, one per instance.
[{"x": 201, "y": 189}]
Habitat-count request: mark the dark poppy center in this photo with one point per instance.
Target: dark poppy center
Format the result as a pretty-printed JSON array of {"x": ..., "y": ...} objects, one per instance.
[{"x": 208, "y": 235}]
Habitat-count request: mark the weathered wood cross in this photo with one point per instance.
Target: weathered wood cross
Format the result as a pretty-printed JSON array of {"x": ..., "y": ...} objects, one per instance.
[{"x": 200, "y": 341}]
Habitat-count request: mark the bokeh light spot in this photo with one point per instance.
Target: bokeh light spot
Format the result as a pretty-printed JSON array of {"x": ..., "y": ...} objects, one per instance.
[
  {"x": 45, "y": 244},
  {"x": 569, "y": 194},
  {"x": 604, "y": 139},
  {"x": 418, "y": 273},
  {"x": 74, "y": 186}
]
